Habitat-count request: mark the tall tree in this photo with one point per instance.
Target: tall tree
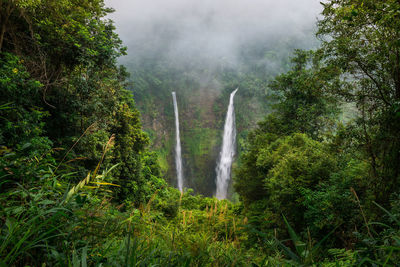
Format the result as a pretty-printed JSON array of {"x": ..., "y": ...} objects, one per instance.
[
  {"x": 362, "y": 38},
  {"x": 304, "y": 104}
]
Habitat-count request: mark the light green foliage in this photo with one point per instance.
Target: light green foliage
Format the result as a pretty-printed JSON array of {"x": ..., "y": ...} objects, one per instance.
[
  {"x": 280, "y": 170},
  {"x": 290, "y": 165},
  {"x": 200, "y": 141},
  {"x": 199, "y": 144}
]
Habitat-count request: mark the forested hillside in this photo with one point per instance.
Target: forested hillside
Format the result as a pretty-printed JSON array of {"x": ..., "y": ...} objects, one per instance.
[
  {"x": 203, "y": 94},
  {"x": 88, "y": 180},
  {"x": 184, "y": 52}
]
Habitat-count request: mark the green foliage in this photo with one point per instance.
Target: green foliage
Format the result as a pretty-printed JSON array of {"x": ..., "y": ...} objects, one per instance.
[
  {"x": 321, "y": 186},
  {"x": 280, "y": 171},
  {"x": 67, "y": 32},
  {"x": 22, "y": 120},
  {"x": 386, "y": 244},
  {"x": 291, "y": 165},
  {"x": 78, "y": 186},
  {"x": 305, "y": 253},
  {"x": 129, "y": 143},
  {"x": 80, "y": 100},
  {"x": 332, "y": 204},
  {"x": 362, "y": 40},
  {"x": 304, "y": 104},
  {"x": 32, "y": 217},
  {"x": 22, "y": 136}
]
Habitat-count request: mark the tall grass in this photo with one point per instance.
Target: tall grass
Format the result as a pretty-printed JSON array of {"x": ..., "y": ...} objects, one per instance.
[{"x": 30, "y": 229}]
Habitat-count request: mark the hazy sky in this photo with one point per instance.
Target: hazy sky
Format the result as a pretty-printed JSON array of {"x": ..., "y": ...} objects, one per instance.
[{"x": 209, "y": 29}]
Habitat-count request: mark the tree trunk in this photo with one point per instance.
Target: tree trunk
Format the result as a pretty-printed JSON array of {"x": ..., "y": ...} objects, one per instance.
[
  {"x": 2, "y": 33},
  {"x": 4, "y": 20},
  {"x": 397, "y": 75}
]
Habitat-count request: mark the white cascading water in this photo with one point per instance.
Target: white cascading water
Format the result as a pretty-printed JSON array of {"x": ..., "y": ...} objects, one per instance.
[
  {"x": 178, "y": 150},
  {"x": 227, "y": 153}
]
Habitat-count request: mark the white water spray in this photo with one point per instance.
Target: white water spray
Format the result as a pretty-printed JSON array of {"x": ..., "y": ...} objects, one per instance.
[
  {"x": 178, "y": 150},
  {"x": 227, "y": 153}
]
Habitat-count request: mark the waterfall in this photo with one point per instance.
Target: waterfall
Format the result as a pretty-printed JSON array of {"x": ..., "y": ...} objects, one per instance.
[
  {"x": 178, "y": 150},
  {"x": 227, "y": 153}
]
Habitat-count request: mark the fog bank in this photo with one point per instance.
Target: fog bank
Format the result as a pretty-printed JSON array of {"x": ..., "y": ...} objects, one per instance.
[{"x": 211, "y": 31}]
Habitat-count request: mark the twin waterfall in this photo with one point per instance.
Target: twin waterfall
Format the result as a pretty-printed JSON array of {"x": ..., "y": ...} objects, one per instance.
[
  {"x": 178, "y": 150},
  {"x": 226, "y": 156},
  {"x": 227, "y": 153}
]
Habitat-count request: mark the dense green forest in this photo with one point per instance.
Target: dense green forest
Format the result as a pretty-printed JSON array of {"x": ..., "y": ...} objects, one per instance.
[{"x": 82, "y": 182}]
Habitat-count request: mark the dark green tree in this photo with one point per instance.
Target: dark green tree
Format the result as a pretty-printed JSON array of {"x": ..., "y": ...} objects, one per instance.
[
  {"x": 362, "y": 38},
  {"x": 80, "y": 96},
  {"x": 304, "y": 103}
]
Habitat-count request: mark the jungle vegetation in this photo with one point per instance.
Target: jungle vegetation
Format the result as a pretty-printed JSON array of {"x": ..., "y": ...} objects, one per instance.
[{"x": 316, "y": 183}]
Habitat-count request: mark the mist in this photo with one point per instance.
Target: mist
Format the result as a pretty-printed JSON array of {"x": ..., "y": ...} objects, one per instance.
[{"x": 211, "y": 32}]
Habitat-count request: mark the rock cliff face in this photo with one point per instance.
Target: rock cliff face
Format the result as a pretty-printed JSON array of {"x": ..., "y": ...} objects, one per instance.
[
  {"x": 202, "y": 93},
  {"x": 202, "y": 108}
]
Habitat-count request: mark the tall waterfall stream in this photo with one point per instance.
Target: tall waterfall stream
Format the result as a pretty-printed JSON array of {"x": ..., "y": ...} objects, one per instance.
[
  {"x": 178, "y": 149},
  {"x": 227, "y": 153}
]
